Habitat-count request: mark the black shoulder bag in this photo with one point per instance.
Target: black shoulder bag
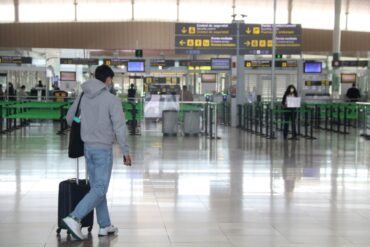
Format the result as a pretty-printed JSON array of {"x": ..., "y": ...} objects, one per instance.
[{"x": 76, "y": 145}]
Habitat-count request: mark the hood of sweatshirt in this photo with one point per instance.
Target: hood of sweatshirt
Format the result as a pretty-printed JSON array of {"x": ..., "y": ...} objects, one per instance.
[{"x": 93, "y": 88}]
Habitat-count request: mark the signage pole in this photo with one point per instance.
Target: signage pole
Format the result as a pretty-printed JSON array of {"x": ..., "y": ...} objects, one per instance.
[
  {"x": 240, "y": 83},
  {"x": 273, "y": 79}
]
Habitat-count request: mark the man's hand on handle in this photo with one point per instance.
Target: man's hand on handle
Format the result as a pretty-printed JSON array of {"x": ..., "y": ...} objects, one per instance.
[{"x": 127, "y": 160}]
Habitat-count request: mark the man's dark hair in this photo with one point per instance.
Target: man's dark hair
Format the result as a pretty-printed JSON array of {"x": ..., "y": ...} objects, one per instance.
[{"x": 102, "y": 72}]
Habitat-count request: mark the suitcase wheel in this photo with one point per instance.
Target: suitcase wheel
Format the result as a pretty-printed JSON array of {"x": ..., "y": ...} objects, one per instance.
[
  {"x": 89, "y": 229},
  {"x": 59, "y": 230}
]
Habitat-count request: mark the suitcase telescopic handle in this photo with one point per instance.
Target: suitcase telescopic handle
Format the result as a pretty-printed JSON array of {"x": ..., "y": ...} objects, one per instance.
[{"x": 78, "y": 172}]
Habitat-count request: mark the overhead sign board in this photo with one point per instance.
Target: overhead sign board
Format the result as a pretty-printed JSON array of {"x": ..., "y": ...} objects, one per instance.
[
  {"x": 257, "y": 39},
  {"x": 318, "y": 83},
  {"x": 349, "y": 63},
  {"x": 195, "y": 63},
  {"x": 80, "y": 61},
  {"x": 205, "y": 38},
  {"x": 15, "y": 60},
  {"x": 162, "y": 62},
  {"x": 255, "y": 64},
  {"x": 209, "y": 29},
  {"x": 115, "y": 61}
]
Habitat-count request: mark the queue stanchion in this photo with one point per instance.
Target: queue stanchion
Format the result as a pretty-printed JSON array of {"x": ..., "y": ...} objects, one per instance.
[
  {"x": 331, "y": 117},
  {"x": 240, "y": 114},
  {"x": 281, "y": 118},
  {"x": 312, "y": 113},
  {"x": 245, "y": 117},
  {"x": 345, "y": 121},
  {"x": 250, "y": 117},
  {"x": 267, "y": 121},
  {"x": 326, "y": 117},
  {"x": 1, "y": 119},
  {"x": 306, "y": 122},
  {"x": 317, "y": 116},
  {"x": 248, "y": 113},
  {"x": 256, "y": 119},
  {"x": 210, "y": 122},
  {"x": 298, "y": 119},
  {"x": 271, "y": 134},
  {"x": 7, "y": 120},
  {"x": 338, "y": 118},
  {"x": 260, "y": 110},
  {"x": 206, "y": 119}
]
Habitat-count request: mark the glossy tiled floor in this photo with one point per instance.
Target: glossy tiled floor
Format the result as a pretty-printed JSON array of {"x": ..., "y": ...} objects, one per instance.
[{"x": 241, "y": 190}]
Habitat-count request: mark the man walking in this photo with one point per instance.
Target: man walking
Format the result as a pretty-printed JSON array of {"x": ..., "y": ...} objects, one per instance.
[{"x": 102, "y": 119}]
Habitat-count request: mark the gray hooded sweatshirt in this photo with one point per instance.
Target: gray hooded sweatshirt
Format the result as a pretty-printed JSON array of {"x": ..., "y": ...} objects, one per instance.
[{"x": 102, "y": 117}]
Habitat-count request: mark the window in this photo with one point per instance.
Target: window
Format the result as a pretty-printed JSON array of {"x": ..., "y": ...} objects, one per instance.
[
  {"x": 7, "y": 11},
  {"x": 108, "y": 10},
  {"x": 46, "y": 10},
  {"x": 216, "y": 11},
  {"x": 159, "y": 10}
]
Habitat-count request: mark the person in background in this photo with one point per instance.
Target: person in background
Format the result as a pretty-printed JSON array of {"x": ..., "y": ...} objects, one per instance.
[
  {"x": 290, "y": 114},
  {"x": 102, "y": 122},
  {"x": 1, "y": 92},
  {"x": 353, "y": 94},
  {"x": 22, "y": 93},
  {"x": 131, "y": 93},
  {"x": 11, "y": 92},
  {"x": 186, "y": 95},
  {"x": 40, "y": 84}
]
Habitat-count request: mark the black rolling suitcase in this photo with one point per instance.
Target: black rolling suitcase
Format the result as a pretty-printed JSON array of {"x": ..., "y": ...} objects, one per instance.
[{"x": 71, "y": 191}]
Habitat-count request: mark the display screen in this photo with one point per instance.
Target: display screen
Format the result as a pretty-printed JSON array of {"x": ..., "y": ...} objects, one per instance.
[
  {"x": 348, "y": 78},
  {"x": 312, "y": 67},
  {"x": 208, "y": 77},
  {"x": 136, "y": 66},
  {"x": 67, "y": 76},
  {"x": 220, "y": 63}
]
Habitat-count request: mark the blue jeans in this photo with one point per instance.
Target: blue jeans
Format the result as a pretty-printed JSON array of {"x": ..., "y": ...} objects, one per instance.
[{"x": 99, "y": 167}]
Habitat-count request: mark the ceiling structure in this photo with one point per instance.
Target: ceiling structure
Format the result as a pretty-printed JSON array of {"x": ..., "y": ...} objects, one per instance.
[{"x": 318, "y": 14}]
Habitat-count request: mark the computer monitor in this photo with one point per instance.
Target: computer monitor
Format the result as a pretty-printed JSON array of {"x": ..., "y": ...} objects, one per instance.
[
  {"x": 136, "y": 66},
  {"x": 312, "y": 67},
  {"x": 348, "y": 77},
  {"x": 220, "y": 63},
  {"x": 67, "y": 76},
  {"x": 208, "y": 77}
]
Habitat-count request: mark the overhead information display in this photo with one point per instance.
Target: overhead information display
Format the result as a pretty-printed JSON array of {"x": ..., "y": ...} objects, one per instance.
[
  {"x": 162, "y": 62},
  {"x": 80, "y": 61},
  {"x": 255, "y": 64},
  {"x": 115, "y": 61},
  {"x": 349, "y": 63},
  {"x": 210, "y": 38},
  {"x": 205, "y": 38},
  {"x": 15, "y": 60}
]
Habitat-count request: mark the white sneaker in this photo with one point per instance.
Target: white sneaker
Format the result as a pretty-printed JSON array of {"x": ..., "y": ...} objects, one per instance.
[
  {"x": 109, "y": 230},
  {"x": 74, "y": 227}
]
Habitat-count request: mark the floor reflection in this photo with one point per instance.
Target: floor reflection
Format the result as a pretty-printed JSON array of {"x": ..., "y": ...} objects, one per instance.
[{"x": 236, "y": 191}]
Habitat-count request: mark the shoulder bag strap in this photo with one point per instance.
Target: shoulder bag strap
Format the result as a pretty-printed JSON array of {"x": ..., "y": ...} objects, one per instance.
[{"x": 78, "y": 106}]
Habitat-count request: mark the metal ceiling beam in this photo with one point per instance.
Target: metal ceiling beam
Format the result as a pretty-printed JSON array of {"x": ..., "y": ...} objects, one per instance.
[
  {"x": 290, "y": 10},
  {"x": 16, "y": 11},
  {"x": 347, "y": 13}
]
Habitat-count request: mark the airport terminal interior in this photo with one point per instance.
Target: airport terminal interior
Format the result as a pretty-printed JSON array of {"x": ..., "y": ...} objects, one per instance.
[{"x": 248, "y": 122}]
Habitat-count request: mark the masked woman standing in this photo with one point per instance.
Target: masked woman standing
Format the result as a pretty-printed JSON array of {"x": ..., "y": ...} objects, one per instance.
[{"x": 290, "y": 114}]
